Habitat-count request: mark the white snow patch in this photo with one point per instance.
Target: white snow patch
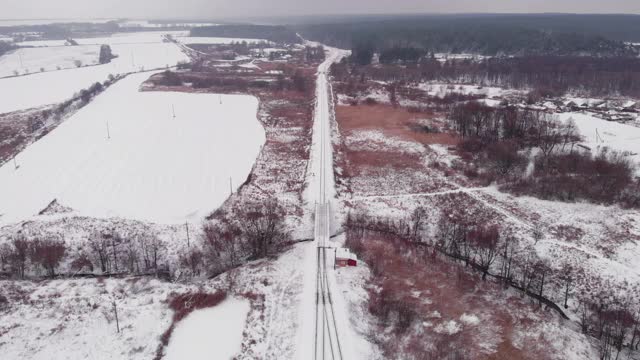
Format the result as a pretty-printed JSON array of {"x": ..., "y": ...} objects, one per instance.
[
  {"x": 210, "y": 334},
  {"x": 34, "y": 60},
  {"x": 440, "y": 90},
  {"x": 469, "y": 319},
  {"x": 599, "y": 133},
  {"x": 372, "y": 139},
  {"x": 448, "y": 327}
]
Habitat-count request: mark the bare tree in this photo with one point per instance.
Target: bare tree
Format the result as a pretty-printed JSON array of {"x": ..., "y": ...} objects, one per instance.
[
  {"x": 485, "y": 243},
  {"x": 418, "y": 219},
  {"x": 131, "y": 255},
  {"x": 192, "y": 259},
  {"x": 548, "y": 136},
  {"x": 263, "y": 227},
  {"x": 566, "y": 275},
  {"x": 19, "y": 255},
  {"x": 100, "y": 247},
  {"x": 48, "y": 253},
  {"x": 222, "y": 244},
  {"x": 5, "y": 256}
]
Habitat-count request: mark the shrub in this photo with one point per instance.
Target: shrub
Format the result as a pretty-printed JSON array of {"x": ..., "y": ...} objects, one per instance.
[
  {"x": 48, "y": 254},
  {"x": 370, "y": 101},
  {"x": 606, "y": 178},
  {"x": 169, "y": 78}
]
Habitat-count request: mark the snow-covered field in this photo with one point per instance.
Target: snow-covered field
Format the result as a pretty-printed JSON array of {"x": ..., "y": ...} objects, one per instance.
[
  {"x": 135, "y": 52},
  {"x": 33, "y": 60},
  {"x": 74, "y": 319},
  {"x": 213, "y": 40},
  {"x": 599, "y": 133},
  {"x": 154, "y": 167},
  {"x": 143, "y": 37},
  {"x": 210, "y": 334}
]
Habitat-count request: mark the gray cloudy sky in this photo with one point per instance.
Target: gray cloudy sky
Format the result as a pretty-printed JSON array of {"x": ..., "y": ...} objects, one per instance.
[{"x": 15, "y": 9}]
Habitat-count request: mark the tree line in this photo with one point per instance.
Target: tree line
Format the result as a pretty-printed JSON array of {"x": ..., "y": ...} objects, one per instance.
[
  {"x": 228, "y": 239},
  {"x": 462, "y": 35},
  {"x": 278, "y": 34},
  {"x": 5, "y": 47},
  {"x": 548, "y": 76}
]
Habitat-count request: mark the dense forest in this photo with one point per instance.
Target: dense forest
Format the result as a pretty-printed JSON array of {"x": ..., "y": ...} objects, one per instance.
[
  {"x": 5, "y": 47},
  {"x": 279, "y": 34},
  {"x": 621, "y": 27},
  {"x": 60, "y": 30},
  {"x": 546, "y": 75},
  {"x": 480, "y": 34}
]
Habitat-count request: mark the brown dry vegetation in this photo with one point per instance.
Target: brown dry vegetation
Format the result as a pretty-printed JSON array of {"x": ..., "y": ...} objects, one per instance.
[
  {"x": 17, "y": 130},
  {"x": 393, "y": 122},
  {"x": 414, "y": 291},
  {"x": 371, "y": 167}
]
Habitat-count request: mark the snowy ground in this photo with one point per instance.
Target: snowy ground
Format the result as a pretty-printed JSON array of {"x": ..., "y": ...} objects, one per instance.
[
  {"x": 440, "y": 90},
  {"x": 74, "y": 319},
  {"x": 599, "y": 133},
  {"x": 33, "y": 60},
  {"x": 135, "y": 52},
  {"x": 211, "y": 333},
  {"x": 154, "y": 167}
]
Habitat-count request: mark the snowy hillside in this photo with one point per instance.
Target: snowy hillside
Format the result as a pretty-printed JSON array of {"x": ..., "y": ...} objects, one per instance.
[{"x": 154, "y": 167}]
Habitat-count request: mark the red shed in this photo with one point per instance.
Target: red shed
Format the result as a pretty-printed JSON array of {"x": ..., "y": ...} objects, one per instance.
[{"x": 344, "y": 258}]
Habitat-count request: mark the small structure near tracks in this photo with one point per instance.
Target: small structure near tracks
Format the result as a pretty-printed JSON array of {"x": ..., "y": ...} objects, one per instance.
[{"x": 345, "y": 258}]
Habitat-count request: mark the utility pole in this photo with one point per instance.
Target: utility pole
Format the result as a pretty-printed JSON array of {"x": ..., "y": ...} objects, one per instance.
[
  {"x": 15, "y": 164},
  {"x": 20, "y": 57},
  {"x": 108, "y": 132},
  {"x": 115, "y": 310},
  {"x": 230, "y": 186},
  {"x": 220, "y": 98},
  {"x": 173, "y": 109},
  {"x": 186, "y": 225}
]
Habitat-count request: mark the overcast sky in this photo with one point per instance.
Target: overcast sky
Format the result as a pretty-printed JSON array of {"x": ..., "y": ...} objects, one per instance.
[{"x": 204, "y": 9}]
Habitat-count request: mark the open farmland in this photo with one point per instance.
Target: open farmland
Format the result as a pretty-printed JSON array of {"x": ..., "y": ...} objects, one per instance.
[
  {"x": 135, "y": 52},
  {"x": 153, "y": 167},
  {"x": 33, "y": 60}
]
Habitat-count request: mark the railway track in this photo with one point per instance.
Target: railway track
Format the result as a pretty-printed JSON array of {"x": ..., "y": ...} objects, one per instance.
[{"x": 327, "y": 339}]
